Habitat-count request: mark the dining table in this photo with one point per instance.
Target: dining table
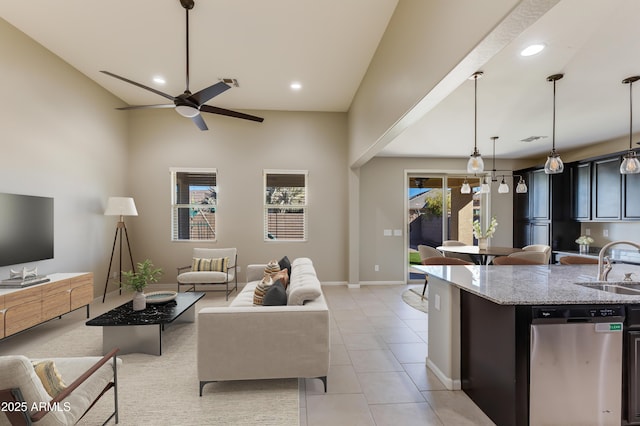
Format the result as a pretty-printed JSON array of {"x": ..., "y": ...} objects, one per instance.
[{"x": 481, "y": 256}]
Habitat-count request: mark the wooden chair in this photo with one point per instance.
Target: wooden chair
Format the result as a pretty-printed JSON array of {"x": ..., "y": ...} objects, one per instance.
[
  {"x": 578, "y": 260},
  {"x": 226, "y": 275},
  {"x": 540, "y": 248},
  {"x": 521, "y": 258},
  {"x": 88, "y": 378},
  {"x": 440, "y": 260}
]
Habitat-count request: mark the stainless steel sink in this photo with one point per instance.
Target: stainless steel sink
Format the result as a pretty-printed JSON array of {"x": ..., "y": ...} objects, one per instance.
[{"x": 619, "y": 288}]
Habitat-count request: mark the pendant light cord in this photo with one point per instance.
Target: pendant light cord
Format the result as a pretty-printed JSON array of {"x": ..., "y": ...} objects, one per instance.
[
  {"x": 475, "y": 114},
  {"x": 630, "y": 116},
  {"x": 553, "y": 135}
]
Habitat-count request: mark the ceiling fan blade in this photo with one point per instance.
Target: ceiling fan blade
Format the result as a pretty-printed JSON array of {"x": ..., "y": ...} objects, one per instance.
[
  {"x": 200, "y": 122},
  {"x": 151, "y": 89},
  {"x": 209, "y": 93},
  {"x": 147, "y": 106},
  {"x": 229, "y": 113}
]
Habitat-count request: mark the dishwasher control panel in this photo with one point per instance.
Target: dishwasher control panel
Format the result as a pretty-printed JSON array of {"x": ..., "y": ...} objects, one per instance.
[{"x": 578, "y": 313}]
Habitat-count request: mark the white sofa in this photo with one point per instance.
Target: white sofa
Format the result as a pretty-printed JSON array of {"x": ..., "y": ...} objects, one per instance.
[{"x": 244, "y": 342}]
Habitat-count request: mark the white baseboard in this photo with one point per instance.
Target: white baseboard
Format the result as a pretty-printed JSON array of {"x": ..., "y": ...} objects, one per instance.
[
  {"x": 333, "y": 283},
  {"x": 381, "y": 283},
  {"x": 448, "y": 382}
]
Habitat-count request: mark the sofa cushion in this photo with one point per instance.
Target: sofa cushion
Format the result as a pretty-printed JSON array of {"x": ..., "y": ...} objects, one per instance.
[
  {"x": 276, "y": 295},
  {"x": 271, "y": 268},
  {"x": 306, "y": 288},
  {"x": 210, "y": 265},
  {"x": 205, "y": 277},
  {"x": 49, "y": 376},
  {"x": 261, "y": 290},
  {"x": 282, "y": 276},
  {"x": 285, "y": 263}
]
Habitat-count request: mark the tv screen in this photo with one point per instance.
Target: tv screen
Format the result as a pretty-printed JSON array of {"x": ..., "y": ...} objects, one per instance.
[{"x": 26, "y": 229}]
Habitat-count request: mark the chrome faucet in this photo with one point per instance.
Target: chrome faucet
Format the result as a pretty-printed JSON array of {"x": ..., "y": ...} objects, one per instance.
[{"x": 604, "y": 264}]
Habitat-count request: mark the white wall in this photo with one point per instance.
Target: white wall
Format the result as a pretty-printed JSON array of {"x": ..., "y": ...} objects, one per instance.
[
  {"x": 240, "y": 150},
  {"x": 61, "y": 138}
]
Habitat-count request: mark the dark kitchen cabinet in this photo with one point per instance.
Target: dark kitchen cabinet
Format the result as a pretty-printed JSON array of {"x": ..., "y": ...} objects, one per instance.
[
  {"x": 543, "y": 214},
  {"x": 581, "y": 187},
  {"x": 606, "y": 192},
  {"x": 631, "y": 197}
]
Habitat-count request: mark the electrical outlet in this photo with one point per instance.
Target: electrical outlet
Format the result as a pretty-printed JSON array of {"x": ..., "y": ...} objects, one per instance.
[
  {"x": 605, "y": 232},
  {"x": 376, "y": 268},
  {"x": 587, "y": 231},
  {"x": 437, "y": 302}
]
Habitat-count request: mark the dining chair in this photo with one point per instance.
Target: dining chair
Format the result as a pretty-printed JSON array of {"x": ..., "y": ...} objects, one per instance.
[
  {"x": 540, "y": 248},
  {"x": 578, "y": 260},
  {"x": 440, "y": 260},
  {"x": 462, "y": 256},
  {"x": 428, "y": 251},
  {"x": 522, "y": 258}
]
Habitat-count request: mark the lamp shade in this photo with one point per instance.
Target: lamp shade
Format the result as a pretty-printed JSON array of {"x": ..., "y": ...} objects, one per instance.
[{"x": 121, "y": 206}]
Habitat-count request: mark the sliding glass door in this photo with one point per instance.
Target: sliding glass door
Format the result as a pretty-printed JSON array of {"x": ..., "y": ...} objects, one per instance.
[{"x": 438, "y": 211}]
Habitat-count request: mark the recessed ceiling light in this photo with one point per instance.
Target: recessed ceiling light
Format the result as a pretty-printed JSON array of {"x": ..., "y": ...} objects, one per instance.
[
  {"x": 159, "y": 80},
  {"x": 296, "y": 86},
  {"x": 533, "y": 49}
]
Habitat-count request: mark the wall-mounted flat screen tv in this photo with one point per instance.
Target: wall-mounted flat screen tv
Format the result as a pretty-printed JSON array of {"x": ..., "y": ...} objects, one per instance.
[{"x": 26, "y": 229}]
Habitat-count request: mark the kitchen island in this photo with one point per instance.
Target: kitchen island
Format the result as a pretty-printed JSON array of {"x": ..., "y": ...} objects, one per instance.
[{"x": 479, "y": 326}]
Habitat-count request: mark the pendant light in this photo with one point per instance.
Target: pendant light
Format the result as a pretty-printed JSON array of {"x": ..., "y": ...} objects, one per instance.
[
  {"x": 521, "y": 188},
  {"x": 630, "y": 163},
  {"x": 466, "y": 188},
  {"x": 503, "y": 188},
  {"x": 485, "y": 188},
  {"x": 475, "y": 164},
  {"x": 554, "y": 162}
]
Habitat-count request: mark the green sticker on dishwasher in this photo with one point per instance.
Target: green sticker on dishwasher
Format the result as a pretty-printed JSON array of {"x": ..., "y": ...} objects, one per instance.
[{"x": 606, "y": 327}]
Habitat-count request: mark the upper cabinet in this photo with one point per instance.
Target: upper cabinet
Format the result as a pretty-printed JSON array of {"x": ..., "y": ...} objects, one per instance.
[
  {"x": 607, "y": 184},
  {"x": 600, "y": 193},
  {"x": 581, "y": 187}
]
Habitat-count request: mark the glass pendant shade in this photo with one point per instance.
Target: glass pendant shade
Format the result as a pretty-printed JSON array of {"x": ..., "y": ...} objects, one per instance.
[
  {"x": 554, "y": 163},
  {"x": 521, "y": 188},
  {"x": 503, "y": 188},
  {"x": 475, "y": 164},
  {"x": 630, "y": 164},
  {"x": 466, "y": 188},
  {"x": 485, "y": 188}
]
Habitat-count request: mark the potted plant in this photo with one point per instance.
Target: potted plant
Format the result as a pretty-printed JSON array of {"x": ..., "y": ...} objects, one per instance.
[
  {"x": 136, "y": 281},
  {"x": 483, "y": 237}
]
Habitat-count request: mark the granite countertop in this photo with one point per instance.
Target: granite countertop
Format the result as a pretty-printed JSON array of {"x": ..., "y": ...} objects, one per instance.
[{"x": 535, "y": 285}]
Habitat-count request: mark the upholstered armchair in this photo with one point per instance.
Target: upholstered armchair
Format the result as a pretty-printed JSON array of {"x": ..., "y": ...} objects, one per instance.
[
  {"x": 211, "y": 267},
  {"x": 76, "y": 384}
]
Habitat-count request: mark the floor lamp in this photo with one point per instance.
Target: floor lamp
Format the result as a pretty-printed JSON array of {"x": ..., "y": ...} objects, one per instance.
[{"x": 119, "y": 206}]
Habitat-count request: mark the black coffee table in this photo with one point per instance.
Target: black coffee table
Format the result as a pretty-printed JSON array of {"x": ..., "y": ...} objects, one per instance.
[{"x": 134, "y": 331}]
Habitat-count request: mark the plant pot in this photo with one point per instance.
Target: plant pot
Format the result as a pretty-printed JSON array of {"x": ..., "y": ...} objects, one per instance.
[
  {"x": 139, "y": 301},
  {"x": 584, "y": 248},
  {"x": 483, "y": 243}
]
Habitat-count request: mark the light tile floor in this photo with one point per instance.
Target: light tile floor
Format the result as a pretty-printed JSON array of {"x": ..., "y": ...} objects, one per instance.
[{"x": 378, "y": 374}]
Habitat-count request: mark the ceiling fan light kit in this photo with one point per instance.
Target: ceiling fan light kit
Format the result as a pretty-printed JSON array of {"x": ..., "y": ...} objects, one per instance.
[
  {"x": 630, "y": 163},
  {"x": 188, "y": 104},
  {"x": 554, "y": 163},
  {"x": 475, "y": 164}
]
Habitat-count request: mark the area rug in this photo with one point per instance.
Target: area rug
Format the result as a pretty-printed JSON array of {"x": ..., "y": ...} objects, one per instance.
[
  {"x": 163, "y": 390},
  {"x": 412, "y": 297}
]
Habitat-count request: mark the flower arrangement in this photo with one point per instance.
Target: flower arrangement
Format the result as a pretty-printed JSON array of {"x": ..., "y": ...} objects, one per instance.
[
  {"x": 477, "y": 230},
  {"x": 584, "y": 240},
  {"x": 146, "y": 274}
]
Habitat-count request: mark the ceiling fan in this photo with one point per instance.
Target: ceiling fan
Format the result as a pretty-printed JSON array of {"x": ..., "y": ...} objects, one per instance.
[{"x": 189, "y": 104}]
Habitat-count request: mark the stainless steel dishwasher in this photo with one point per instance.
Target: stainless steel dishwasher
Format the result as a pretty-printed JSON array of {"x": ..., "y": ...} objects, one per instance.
[{"x": 576, "y": 365}]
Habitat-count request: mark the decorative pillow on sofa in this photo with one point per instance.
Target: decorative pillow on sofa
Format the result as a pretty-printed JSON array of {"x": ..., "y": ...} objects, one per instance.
[
  {"x": 271, "y": 268},
  {"x": 49, "y": 376},
  {"x": 261, "y": 290},
  {"x": 276, "y": 295},
  {"x": 210, "y": 265},
  {"x": 285, "y": 264},
  {"x": 281, "y": 276}
]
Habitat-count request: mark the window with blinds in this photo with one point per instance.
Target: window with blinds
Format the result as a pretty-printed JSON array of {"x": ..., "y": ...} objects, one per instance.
[
  {"x": 285, "y": 205},
  {"x": 194, "y": 203}
]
